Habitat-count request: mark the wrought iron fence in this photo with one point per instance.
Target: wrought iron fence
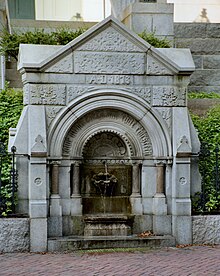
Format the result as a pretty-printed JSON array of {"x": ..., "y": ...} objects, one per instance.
[
  {"x": 208, "y": 200},
  {"x": 8, "y": 181}
]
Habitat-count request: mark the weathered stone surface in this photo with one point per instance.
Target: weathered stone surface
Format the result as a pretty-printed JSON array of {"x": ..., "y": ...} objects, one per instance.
[
  {"x": 208, "y": 89},
  {"x": 190, "y": 30},
  {"x": 109, "y": 63},
  {"x": 206, "y": 229},
  {"x": 205, "y": 78},
  {"x": 14, "y": 235},
  {"x": 211, "y": 62},
  {"x": 198, "y": 61},
  {"x": 200, "y": 46}
]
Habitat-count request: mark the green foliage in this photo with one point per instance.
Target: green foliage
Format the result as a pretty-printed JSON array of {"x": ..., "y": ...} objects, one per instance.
[
  {"x": 155, "y": 41},
  {"x": 9, "y": 43},
  {"x": 11, "y": 104},
  {"x": 203, "y": 95},
  {"x": 209, "y": 133}
]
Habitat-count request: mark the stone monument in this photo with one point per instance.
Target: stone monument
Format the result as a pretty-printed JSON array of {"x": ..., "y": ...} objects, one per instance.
[{"x": 105, "y": 142}]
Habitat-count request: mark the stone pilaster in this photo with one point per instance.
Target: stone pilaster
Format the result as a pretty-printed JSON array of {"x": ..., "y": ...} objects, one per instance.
[
  {"x": 135, "y": 198},
  {"x": 55, "y": 219}
]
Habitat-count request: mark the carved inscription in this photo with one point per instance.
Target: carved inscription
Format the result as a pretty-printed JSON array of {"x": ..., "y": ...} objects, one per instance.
[
  {"x": 98, "y": 116},
  {"x": 47, "y": 94},
  {"x": 109, "y": 63},
  {"x": 169, "y": 96},
  {"x": 110, "y": 40},
  {"x": 154, "y": 67},
  {"x": 109, "y": 79},
  {"x": 65, "y": 65}
]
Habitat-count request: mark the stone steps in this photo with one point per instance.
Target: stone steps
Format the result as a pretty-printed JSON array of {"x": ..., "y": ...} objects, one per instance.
[{"x": 70, "y": 243}]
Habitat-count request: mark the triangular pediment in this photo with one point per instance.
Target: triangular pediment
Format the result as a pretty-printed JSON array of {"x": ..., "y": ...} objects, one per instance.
[{"x": 111, "y": 42}]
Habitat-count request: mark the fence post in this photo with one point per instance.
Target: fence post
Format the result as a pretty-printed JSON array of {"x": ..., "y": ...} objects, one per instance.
[
  {"x": 13, "y": 178},
  {"x": 2, "y": 154}
]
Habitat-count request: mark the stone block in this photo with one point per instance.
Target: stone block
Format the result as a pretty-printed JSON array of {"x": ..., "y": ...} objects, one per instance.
[
  {"x": 38, "y": 209},
  {"x": 206, "y": 229},
  {"x": 182, "y": 229},
  {"x": 198, "y": 60},
  {"x": 181, "y": 207},
  {"x": 159, "y": 205},
  {"x": 213, "y": 30},
  {"x": 162, "y": 225},
  {"x": 38, "y": 235},
  {"x": 142, "y": 223},
  {"x": 190, "y": 30},
  {"x": 211, "y": 62},
  {"x": 55, "y": 226},
  {"x": 147, "y": 205},
  {"x": 14, "y": 235},
  {"x": 206, "y": 46},
  {"x": 205, "y": 78}
]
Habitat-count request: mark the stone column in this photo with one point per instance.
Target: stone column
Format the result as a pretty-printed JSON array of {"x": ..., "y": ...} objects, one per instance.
[
  {"x": 160, "y": 179},
  {"x": 55, "y": 219},
  {"x": 76, "y": 180},
  {"x": 136, "y": 180},
  {"x": 55, "y": 179},
  {"x": 76, "y": 200},
  {"x": 135, "y": 198}
]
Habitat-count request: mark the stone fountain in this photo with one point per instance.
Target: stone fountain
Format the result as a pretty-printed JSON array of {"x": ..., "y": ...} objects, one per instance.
[{"x": 106, "y": 220}]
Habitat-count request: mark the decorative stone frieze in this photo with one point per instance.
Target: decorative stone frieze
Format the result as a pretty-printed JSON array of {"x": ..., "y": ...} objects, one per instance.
[
  {"x": 166, "y": 114},
  {"x": 51, "y": 113},
  {"x": 65, "y": 65},
  {"x": 45, "y": 94},
  {"x": 110, "y": 41},
  {"x": 109, "y": 63},
  {"x": 155, "y": 67},
  {"x": 169, "y": 96}
]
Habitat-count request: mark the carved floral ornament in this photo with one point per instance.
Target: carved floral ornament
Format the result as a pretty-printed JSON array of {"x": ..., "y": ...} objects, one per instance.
[{"x": 107, "y": 131}]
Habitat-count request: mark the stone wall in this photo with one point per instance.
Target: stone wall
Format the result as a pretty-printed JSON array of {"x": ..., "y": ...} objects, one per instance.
[
  {"x": 203, "y": 39},
  {"x": 206, "y": 229},
  {"x": 14, "y": 235}
]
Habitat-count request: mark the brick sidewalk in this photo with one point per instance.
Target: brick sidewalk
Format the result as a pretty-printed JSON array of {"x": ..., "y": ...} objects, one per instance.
[{"x": 195, "y": 260}]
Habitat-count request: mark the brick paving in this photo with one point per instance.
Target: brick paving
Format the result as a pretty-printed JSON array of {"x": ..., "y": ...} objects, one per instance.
[{"x": 195, "y": 260}]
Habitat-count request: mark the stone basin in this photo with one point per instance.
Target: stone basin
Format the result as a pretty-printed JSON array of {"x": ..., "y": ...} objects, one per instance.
[{"x": 108, "y": 225}]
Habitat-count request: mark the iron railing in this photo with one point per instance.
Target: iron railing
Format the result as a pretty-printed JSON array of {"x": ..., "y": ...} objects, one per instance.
[{"x": 8, "y": 184}]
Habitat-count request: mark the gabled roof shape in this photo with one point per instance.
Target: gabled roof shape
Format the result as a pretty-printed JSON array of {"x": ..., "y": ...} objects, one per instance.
[{"x": 175, "y": 61}]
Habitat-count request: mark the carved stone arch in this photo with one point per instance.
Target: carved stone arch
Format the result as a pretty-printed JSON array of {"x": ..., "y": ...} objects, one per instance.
[
  {"x": 114, "y": 99},
  {"x": 132, "y": 133}
]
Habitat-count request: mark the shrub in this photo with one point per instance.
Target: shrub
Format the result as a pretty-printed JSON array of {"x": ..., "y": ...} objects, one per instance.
[
  {"x": 10, "y": 110},
  {"x": 155, "y": 41},
  {"x": 209, "y": 134}
]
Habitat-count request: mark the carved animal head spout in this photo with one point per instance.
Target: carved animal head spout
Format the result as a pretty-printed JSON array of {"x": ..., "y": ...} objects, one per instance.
[{"x": 104, "y": 182}]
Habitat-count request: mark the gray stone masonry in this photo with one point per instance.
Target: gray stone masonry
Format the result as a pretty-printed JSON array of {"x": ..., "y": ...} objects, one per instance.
[
  {"x": 14, "y": 235},
  {"x": 203, "y": 40}
]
